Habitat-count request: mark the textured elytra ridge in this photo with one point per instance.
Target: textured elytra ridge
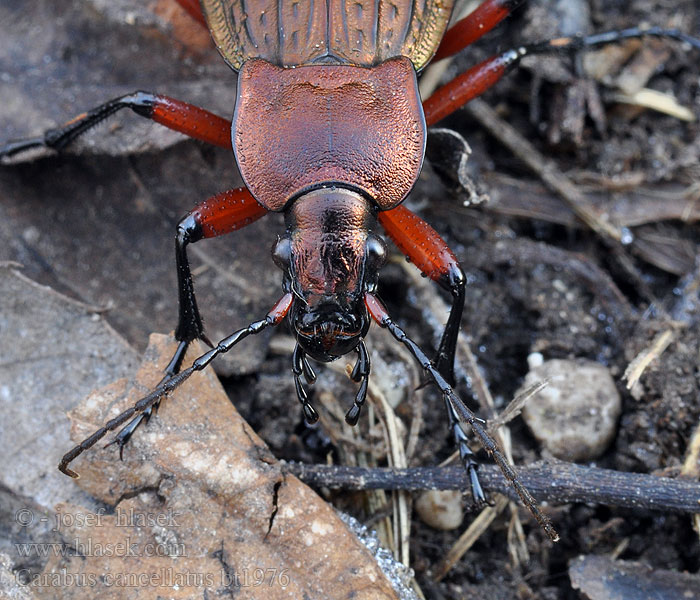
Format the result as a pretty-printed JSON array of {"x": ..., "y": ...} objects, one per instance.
[{"x": 364, "y": 32}]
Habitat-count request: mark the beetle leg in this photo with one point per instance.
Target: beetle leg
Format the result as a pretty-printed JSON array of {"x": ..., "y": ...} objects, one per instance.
[
  {"x": 221, "y": 214},
  {"x": 273, "y": 317},
  {"x": 474, "y": 82},
  {"x": 466, "y": 455},
  {"x": 476, "y": 24},
  {"x": 462, "y": 412},
  {"x": 194, "y": 10},
  {"x": 174, "y": 114},
  {"x": 429, "y": 252}
]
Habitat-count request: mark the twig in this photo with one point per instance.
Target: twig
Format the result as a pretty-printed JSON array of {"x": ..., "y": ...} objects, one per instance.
[
  {"x": 556, "y": 483},
  {"x": 691, "y": 467}
]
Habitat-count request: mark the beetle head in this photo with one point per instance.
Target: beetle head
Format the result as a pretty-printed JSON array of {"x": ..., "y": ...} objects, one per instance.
[{"x": 330, "y": 259}]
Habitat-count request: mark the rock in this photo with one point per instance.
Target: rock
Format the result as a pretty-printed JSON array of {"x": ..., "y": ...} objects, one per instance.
[
  {"x": 55, "y": 352},
  {"x": 440, "y": 509},
  {"x": 11, "y": 588},
  {"x": 575, "y": 416},
  {"x": 602, "y": 578}
]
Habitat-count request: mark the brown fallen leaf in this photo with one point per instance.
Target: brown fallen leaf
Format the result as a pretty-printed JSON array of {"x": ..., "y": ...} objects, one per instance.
[{"x": 200, "y": 504}]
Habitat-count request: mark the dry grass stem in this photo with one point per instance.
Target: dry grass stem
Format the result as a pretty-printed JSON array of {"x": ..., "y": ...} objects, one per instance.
[
  {"x": 397, "y": 458},
  {"x": 470, "y": 535},
  {"x": 640, "y": 362},
  {"x": 516, "y": 405}
]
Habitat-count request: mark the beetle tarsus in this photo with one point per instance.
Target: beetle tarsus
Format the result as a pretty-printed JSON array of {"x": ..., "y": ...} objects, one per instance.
[
  {"x": 466, "y": 455},
  {"x": 16, "y": 146},
  {"x": 173, "y": 368},
  {"x": 124, "y": 435}
]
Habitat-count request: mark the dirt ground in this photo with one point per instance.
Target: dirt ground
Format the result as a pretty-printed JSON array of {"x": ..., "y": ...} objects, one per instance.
[{"x": 539, "y": 280}]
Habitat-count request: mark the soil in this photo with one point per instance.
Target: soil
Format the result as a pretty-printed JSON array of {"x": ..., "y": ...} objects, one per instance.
[{"x": 538, "y": 280}]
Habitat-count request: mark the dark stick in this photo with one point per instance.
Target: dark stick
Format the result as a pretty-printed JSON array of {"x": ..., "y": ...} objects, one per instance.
[{"x": 556, "y": 483}]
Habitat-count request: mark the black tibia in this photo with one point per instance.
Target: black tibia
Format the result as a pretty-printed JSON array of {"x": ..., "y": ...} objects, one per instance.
[
  {"x": 189, "y": 325},
  {"x": 360, "y": 373},
  {"x": 140, "y": 102},
  {"x": 455, "y": 282},
  {"x": 300, "y": 365}
]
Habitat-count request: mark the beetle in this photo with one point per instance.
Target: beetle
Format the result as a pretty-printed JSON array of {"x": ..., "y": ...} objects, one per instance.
[{"x": 335, "y": 94}]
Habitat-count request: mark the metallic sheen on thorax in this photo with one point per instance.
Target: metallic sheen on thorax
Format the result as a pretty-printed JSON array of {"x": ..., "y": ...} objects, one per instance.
[{"x": 295, "y": 129}]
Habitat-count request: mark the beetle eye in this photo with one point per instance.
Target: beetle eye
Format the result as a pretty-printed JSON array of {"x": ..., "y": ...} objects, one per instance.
[
  {"x": 282, "y": 253},
  {"x": 376, "y": 250}
]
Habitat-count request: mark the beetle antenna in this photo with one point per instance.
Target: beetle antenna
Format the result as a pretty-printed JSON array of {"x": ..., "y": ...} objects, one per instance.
[
  {"x": 380, "y": 315},
  {"x": 274, "y": 317},
  {"x": 598, "y": 39}
]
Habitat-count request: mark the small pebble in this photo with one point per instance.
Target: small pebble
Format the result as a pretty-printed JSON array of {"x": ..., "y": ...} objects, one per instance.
[
  {"x": 440, "y": 509},
  {"x": 575, "y": 416}
]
